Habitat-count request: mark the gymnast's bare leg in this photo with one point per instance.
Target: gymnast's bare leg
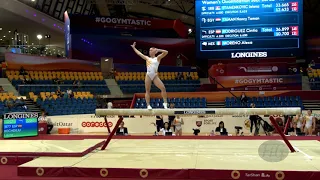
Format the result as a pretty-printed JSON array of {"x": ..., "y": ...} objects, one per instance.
[
  {"x": 157, "y": 81},
  {"x": 147, "y": 84}
]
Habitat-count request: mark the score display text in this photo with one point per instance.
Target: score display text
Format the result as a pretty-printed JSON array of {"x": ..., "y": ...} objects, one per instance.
[
  {"x": 22, "y": 124},
  {"x": 249, "y": 28}
]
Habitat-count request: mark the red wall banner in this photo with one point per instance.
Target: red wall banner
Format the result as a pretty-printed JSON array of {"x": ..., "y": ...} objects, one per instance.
[
  {"x": 260, "y": 83},
  {"x": 249, "y": 69},
  {"x": 40, "y": 63}
]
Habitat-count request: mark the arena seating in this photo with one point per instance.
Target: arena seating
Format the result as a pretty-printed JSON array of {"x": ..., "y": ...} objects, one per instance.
[
  {"x": 179, "y": 102},
  {"x": 314, "y": 79},
  {"x": 3, "y": 109},
  {"x": 81, "y": 103},
  {"x": 133, "y": 82},
  {"x": 264, "y": 102},
  {"x": 43, "y": 81}
]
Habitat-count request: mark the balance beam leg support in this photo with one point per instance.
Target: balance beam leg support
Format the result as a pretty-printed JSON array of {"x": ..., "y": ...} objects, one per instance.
[{"x": 112, "y": 133}]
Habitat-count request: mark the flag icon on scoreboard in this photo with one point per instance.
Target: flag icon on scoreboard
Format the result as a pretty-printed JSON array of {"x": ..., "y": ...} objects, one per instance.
[
  {"x": 218, "y": 43},
  {"x": 218, "y": 19},
  {"x": 218, "y": 7},
  {"x": 218, "y": 31}
]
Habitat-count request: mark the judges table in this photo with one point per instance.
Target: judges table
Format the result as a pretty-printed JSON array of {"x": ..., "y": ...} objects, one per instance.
[{"x": 42, "y": 128}]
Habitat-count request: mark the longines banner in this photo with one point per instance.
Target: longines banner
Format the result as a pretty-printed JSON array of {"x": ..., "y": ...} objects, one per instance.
[{"x": 144, "y": 125}]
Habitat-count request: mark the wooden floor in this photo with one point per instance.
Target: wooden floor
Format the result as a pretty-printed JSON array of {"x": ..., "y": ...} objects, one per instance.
[{"x": 176, "y": 154}]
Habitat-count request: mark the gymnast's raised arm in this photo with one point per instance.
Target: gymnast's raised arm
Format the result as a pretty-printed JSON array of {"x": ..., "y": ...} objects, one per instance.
[
  {"x": 138, "y": 52},
  {"x": 163, "y": 54}
]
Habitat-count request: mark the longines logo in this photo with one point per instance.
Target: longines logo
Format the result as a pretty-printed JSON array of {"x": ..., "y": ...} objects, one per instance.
[{"x": 249, "y": 54}]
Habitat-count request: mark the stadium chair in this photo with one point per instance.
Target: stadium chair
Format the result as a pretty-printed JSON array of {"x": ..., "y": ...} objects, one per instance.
[
  {"x": 91, "y": 81},
  {"x": 179, "y": 102},
  {"x": 133, "y": 82},
  {"x": 82, "y": 103},
  {"x": 276, "y": 101}
]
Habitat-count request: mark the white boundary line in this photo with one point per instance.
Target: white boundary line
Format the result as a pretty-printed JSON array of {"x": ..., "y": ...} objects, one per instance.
[
  {"x": 58, "y": 147},
  {"x": 305, "y": 154}
]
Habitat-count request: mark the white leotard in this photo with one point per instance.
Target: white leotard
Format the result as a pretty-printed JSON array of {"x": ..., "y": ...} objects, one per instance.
[
  {"x": 309, "y": 121},
  {"x": 152, "y": 67},
  {"x": 299, "y": 122},
  {"x": 178, "y": 124}
]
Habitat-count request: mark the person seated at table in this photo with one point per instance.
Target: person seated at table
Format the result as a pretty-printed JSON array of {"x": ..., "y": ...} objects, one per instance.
[
  {"x": 221, "y": 129},
  {"x": 122, "y": 130},
  {"x": 44, "y": 119},
  {"x": 294, "y": 130},
  {"x": 166, "y": 128}
]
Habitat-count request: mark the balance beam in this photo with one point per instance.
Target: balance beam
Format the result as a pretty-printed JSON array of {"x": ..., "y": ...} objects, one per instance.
[{"x": 200, "y": 111}]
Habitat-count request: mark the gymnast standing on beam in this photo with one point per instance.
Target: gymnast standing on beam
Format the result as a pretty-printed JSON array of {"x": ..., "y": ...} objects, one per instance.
[{"x": 152, "y": 63}]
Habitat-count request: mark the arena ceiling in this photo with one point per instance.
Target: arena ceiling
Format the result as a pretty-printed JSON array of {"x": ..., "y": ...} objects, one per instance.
[
  {"x": 183, "y": 10},
  {"x": 11, "y": 22},
  {"x": 158, "y": 9}
]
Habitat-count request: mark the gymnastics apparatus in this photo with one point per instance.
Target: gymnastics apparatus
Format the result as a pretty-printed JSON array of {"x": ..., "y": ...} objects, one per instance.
[{"x": 200, "y": 111}]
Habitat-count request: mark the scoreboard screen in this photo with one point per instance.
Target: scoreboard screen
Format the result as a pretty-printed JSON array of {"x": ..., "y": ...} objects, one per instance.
[
  {"x": 249, "y": 28},
  {"x": 20, "y": 125}
]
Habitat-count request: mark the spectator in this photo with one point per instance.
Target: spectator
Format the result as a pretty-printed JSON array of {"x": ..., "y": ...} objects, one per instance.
[
  {"x": 57, "y": 80},
  {"x": 69, "y": 93},
  {"x": 165, "y": 129},
  {"x": 301, "y": 71},
  {"x": 179, "y": 76},
  {"x": 221, "y": 129},
  {"x": 65, "y": 95},
  {"x": 1, "y": 89},
  {"x": 58, "y": 92},
  {"x": 294, "y": 130},
  {"x": 43, "y": 119},
  {"x": 312, "y": 63},
  {"x": 309, "y": 69},
  {"x": 28, "y": 80},
  {"x": 243, "y": 99},
  {"x": 178, "y": 122},
  {"x": 76, "y": 84},
  {"x": 122, "y": 130},
  {"x": 10, "y": 104},
  {"x": 22, "y": 71},
  {"x": 110, "y": 105},
  {"x": 310, "y": 123},
  {"x": 20, "y": 102},
  {"x": 189, "y": 76}
]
